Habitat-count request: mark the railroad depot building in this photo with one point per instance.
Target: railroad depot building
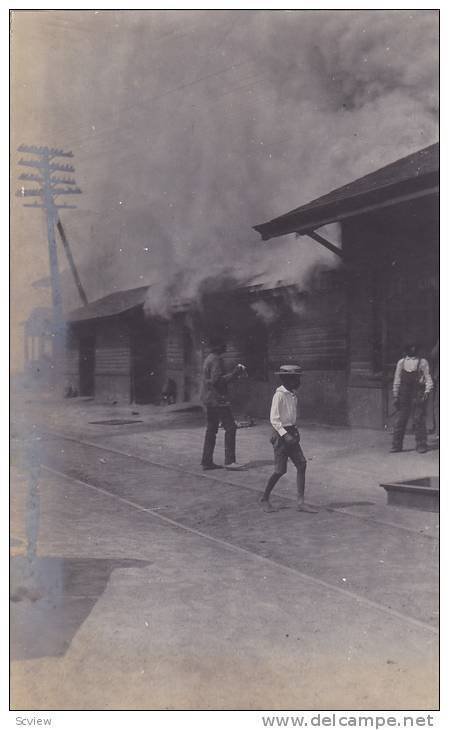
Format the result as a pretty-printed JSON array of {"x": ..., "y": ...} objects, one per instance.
[
  {"x": 116, "y": 352},
  {"x": 347, "y": 328},
  {"x": 390, "y": 249}
]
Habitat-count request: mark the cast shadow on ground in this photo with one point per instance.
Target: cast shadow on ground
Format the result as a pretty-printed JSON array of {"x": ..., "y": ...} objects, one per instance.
[
  {"x": 256, "y": 463},
  {"x": 52, "y": 597},
  {"x": 342, "y": 505},
  {"x": 430, "y": 447}
]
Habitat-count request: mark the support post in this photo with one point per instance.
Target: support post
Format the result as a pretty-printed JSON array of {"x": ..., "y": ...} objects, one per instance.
[
  {"x": 324, "y": 242},
  {"x": 72, "y": 264}
]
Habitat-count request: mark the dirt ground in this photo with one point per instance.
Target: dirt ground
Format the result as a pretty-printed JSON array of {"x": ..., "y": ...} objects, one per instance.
[{"x": 140, "y": 582}]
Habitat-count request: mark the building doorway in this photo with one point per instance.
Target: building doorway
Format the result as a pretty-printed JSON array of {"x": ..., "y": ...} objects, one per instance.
[{"x": 148, "y": 350}]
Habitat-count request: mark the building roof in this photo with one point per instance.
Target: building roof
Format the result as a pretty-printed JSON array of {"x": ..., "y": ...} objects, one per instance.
[
  {"x": 412, "y": 176},
  {"x": 123, "y": 301},
  {"x": 111, "y": 305}
]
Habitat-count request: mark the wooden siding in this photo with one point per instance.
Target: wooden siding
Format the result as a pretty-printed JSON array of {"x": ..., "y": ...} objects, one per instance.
[
  {"x": 175, "y": 352},
  {"x": 112, "y": 350},
  {"x": 317, "y": 347}
]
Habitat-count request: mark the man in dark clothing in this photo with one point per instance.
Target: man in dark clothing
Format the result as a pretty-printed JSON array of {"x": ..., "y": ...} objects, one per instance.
[
  {"x": 412, "y": 385},
  {"x": 218, "y": 407},
  {"x": 435, "y": 370}
]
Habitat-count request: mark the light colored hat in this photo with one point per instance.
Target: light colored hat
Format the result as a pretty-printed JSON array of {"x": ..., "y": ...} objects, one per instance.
[{"x": 289, "y": 370}]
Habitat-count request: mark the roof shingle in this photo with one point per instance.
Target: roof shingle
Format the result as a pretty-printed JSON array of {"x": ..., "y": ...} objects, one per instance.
[
  {"x": 110, "y": 305},
  {"x": 413, "y": 174}
]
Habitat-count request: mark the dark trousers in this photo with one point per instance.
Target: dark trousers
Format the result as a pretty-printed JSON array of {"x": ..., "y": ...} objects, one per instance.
[
  {"x": 214, "y": 416},
  {"x": 283, "y": 452},
  {"x": 408, "y": 404}
]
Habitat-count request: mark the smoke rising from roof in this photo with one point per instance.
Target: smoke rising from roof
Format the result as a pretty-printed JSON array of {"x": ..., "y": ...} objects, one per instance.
[{"x": 189, "y": 127}]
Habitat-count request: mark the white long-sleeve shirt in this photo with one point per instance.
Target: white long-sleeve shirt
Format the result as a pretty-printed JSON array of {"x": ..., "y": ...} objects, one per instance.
[
  {"x": 410, "y": 364},
  {"x": 284, "y": 410}
]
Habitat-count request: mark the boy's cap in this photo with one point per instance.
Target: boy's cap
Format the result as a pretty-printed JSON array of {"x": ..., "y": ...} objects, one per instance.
[{"x": 289, "y": 370}]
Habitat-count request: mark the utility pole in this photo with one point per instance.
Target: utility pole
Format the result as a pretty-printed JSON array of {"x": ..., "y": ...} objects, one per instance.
[{"x": 46, "y": 164}]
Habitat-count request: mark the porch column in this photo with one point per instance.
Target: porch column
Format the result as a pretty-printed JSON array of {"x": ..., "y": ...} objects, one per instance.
[{"x": 367, "y": 334}]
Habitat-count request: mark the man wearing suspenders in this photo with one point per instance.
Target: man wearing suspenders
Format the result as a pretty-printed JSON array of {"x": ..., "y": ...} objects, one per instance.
[{"x": 411, "y": 387}]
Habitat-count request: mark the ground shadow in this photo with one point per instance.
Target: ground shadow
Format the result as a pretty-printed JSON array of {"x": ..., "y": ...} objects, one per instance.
[
  {"x": 52, "y": 597},
  {"x": 115, "y": 422},
  {"x": 341, "y": 505},
  {"x": 430, "y": 447},
  {"x": 258, "y": 462}
]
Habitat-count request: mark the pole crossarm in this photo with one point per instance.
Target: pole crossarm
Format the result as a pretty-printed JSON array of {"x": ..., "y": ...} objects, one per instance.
[
  {"x": 62, "y": 181},
  {"x": 49, "y": 151},
  {"x": 54, "y": 191},
  {"x": 31, "y": 176},
  {"x": 53, "y": 207},
  {"x": 65, "y": 191},
  {"x": 51, "y": 166},
  {"x": 25, "y": 193},
  {"x": 53, "y": 180}
]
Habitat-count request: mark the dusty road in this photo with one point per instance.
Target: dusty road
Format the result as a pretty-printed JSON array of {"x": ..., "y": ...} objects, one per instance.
[{"x": 150, "y": 587}]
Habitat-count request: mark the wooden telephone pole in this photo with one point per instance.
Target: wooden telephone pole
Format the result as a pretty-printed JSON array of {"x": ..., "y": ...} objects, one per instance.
[{"x": 50, "y": 188}]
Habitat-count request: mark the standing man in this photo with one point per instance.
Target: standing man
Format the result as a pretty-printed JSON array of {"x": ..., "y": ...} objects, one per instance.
[
  {"x": 411, "y": 388},
  {"x": 435, "y": 368},
  {"x": 218, "y": 407}
]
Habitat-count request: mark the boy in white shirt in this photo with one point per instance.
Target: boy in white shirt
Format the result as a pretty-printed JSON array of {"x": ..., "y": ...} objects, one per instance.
[{"x": 285, "y": 438}]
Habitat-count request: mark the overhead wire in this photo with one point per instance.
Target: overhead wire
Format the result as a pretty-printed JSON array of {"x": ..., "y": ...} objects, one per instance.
[
  {"x": 141, "y": 103},
  {"x": 103, "y": 137},
  {"x": 157, "y": 97},
  {"x": 125, "y": 107},
  {"x": 89, "y": 140},
  {"x": 126, "y": 132}
]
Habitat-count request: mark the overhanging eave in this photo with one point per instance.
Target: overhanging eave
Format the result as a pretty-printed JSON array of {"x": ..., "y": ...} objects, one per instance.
[{"x": 309, "y": 218}]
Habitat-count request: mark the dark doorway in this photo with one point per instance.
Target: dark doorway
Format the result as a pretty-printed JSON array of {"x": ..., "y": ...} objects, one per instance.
[
  {"x": 255, "y": 351},
  {"x": 148, "y": 347},
  {"x": 87, "y": 365}
]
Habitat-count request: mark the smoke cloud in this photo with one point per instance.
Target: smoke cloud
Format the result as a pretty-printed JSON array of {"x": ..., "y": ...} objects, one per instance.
[{"x": 190, "y": 127}]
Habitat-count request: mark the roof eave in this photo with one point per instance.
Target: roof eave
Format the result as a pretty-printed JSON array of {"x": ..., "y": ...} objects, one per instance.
[
  {"x": 308, "y": 218},
  {"x": 93, "y": 317}
]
